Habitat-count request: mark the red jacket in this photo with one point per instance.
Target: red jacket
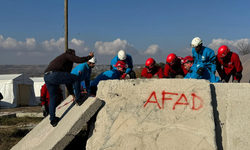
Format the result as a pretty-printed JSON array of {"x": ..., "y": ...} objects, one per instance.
[
  {"x": 157, "y": 71},
  {"x": 230, "y": 66},
  {"x": 45, "y": 96},
  {"x": 179, "y": 69}
]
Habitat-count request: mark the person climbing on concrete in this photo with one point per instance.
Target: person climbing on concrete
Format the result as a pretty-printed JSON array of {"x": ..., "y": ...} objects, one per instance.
[
  {"x": 174, "y": 67},
  {"x": 84, "y": 70},
  {"x": 127, "y": 59},
  {"x": 151, "y": 70},
  {"x": 58, "y": 72},
  {"x": 231, "y": 64},
  {"x": 45, "y": 98},
  {"x": 204, "y": 55},
  {"x": 198, "y": 71},
  {"x": 118, "y": 69}
]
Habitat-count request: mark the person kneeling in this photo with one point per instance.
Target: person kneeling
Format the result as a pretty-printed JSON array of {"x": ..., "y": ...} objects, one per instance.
[{"x": 198, "y": 71}]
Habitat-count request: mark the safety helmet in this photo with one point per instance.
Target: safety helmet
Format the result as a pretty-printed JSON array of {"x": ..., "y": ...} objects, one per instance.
[
  {"x": 196, "y": 42},
  {"x": 150, "y": 63},
  {"x": 223, "y": 51},
  {"x": 171, "y": 59},
  {"x": 93, "y": 60},
  {"x": 120, "y": 64},
  {"x": 122, "y": 55},
  {"x": 188, "y": 59}
]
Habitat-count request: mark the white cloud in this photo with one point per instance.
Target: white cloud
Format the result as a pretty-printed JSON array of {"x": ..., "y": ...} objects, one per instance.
[
  {"x": 58, "y": 45},
  {"x": 216, "y": 43},
  {"x": 153, "y": 50},
  {"x": 13, "y": 44},
  {"x": 112, "y": 48}
]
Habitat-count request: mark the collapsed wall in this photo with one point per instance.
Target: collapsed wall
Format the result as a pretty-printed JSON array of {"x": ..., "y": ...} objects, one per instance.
[
  {"x": 150, "y": 114},
  {"x": 72, "y": 119},
  {"x": 232, "y": 105}
]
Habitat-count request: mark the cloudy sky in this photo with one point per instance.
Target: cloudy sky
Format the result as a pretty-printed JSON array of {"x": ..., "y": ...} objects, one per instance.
[{"x": 32, "y": 31}]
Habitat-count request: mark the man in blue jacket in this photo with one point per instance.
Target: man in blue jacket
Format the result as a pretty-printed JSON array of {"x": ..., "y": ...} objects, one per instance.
[
  {"x": 84, "y": 70},
  {"x": 203, "y": 54},
  {"x": 115, "y": 73},
  {"x": 127, "y": 59},
  {"x": 198, "y": 70}
]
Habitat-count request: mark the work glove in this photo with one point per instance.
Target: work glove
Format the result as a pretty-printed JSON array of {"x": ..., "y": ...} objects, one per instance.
[
  {"x": 123, "y": 76},
  {"x": 235, "y": 81}
]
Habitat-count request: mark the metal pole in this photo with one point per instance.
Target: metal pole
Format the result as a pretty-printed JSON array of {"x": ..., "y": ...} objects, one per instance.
[
  {"x": 66, "y": 23},
  {"x": 66, "y": 33}
]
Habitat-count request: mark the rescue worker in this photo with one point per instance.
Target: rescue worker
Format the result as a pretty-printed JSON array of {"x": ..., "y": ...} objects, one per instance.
[
  {"x": 84, "y": 70},
  {"x": 204, "y": 55},
  {"x": 118, "y": 69},
  {"x": 58, "y": 72},
  {"x": 174, "y": 67},
  {"x": 45, "y": 98},
  {"x": 198, "y": 71},
  {"x": 127, "y": 59},
  {"x": 231, "y": 65},
  {"x": 151, "y": 70}
]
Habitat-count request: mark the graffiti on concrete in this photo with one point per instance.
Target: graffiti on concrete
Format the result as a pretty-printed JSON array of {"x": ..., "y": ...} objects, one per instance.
[{"x": 180, "y": 99}]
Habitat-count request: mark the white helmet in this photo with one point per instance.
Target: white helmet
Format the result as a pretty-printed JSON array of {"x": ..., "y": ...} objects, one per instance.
[
  {"x": 196, "y": 42},
  {"x": 122, "y": 55},
  {"x": 93, "y": 60}
]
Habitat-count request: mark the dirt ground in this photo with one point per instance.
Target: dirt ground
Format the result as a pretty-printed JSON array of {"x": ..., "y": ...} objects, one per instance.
[{"x": 23, "y": 109}]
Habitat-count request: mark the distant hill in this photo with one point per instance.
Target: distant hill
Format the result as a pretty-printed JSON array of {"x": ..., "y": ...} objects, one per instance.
[{"x": 38, "y": 70}]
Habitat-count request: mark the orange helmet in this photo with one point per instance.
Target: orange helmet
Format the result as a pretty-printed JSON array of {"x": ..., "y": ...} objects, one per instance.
[
  {"x": 223, "y": 51},
  {"x": 188, "y": 59},
  {"x": 150, "y": 63},
  {"x": 171, "y": 59}
]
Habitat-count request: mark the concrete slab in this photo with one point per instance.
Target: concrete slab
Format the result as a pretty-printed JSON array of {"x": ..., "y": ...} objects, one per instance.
[
  {"x": 233, "y": 101},
  {"x": 146, "y": 114},
  {"x": 73, "y": 117}
]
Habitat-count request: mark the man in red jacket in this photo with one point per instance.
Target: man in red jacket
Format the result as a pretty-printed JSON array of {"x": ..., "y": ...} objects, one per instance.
[
  {"x": 151, "y": 70},
  {"x": 231, "y": 65},
  {"x": 45, "y": 98},
  {"x": 174, "y": 67}
]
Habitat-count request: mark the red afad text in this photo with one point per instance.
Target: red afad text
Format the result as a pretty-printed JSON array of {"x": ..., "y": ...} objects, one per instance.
[{"x": 196, "y": 102}]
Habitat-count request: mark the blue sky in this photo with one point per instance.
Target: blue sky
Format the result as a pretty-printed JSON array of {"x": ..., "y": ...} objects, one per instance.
[{"x": 32, "y": 31}]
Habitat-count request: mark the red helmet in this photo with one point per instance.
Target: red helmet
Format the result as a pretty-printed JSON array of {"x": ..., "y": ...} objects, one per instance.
[
  {"x": 223, "y": 51},
  {"x": 188, "y": 59},
  {"x": 171, "y": 58},
  {"x": 150, "y": 63},
  {"x": 120, "y": 64}
]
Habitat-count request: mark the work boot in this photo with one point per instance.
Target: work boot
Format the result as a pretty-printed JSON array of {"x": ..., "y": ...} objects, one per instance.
[
  {"x": 82, "y": 99},
  {"x": 55, "y": 121},
  {"x": 45, "y": 112}
]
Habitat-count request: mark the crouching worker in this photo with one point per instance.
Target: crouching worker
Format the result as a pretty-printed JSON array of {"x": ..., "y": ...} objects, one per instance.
[
  {"x": 174, "y": 67},
  {"x": 151, "y": 70},
  {"x": 83, "y": 71},
  {"x": 118, "y": 69},
  {"x": 198, "y": 71},
  {"x": 231, "y": 65},
  {"x": 45, "y": 98},
  {"x": 127, "y": 59}
]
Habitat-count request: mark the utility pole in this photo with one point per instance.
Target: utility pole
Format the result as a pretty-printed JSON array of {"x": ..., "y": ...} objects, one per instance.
[
  {"x": 66, "y": 23},
  {"x": 66, "y": 33}
]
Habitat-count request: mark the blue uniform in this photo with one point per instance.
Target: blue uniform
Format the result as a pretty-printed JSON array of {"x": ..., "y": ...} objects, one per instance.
[
  {"x": 200, "y": 71},
  {"x": 107, "y": 75},
  {"x": 83, "y": 71},
  {"x": 205, "y": 56},
  {"x": 129, "y": 62}
]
